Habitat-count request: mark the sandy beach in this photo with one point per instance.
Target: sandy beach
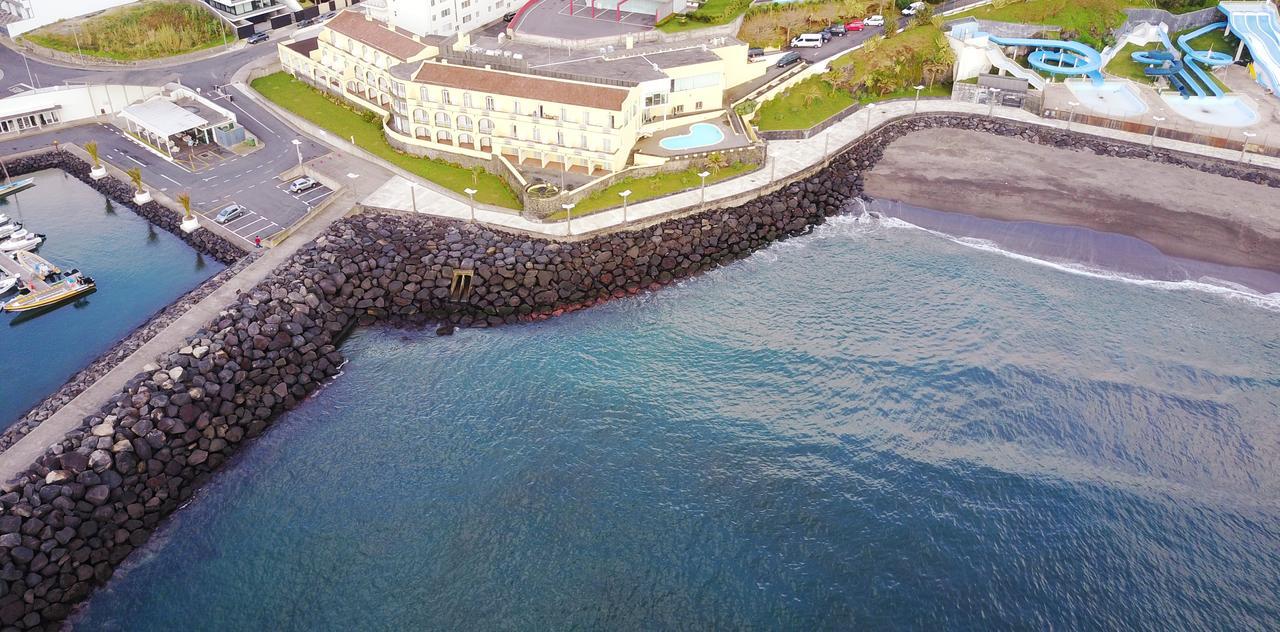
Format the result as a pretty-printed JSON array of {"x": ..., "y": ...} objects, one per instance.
[{"x": 1180, "y": 211}]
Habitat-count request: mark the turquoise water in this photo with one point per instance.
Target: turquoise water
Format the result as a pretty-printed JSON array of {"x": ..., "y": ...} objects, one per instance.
[
  {"x": 869, "y": 427},
  {"x": 139, "y": 271},
  {"x": 700, "y": 135}
]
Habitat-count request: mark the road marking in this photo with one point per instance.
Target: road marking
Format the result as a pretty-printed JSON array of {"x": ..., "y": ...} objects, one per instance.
[
  {"x": 318, "y": 197},
  {"x": 255, "y": 119},
  {"x": 134, "y": 159},
  {"x": 208, "y": 178},
  {"x": 170, "y": 179}
]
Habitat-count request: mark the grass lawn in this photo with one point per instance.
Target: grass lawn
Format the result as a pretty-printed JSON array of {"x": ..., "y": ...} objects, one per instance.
[
  {"x": 652, "y": 187},
  {"x": 713, "y": 12},
  {"x": 147, "y": 30},
  {"x": 1123, "y": 65},
  {"x": 346, "y": 122},
  {"x": 914, "y": 38},
  {"x": 1216, "y": 40},
  {"x": 935, "y": 90},
  {"x": 1090, "y": 20},
  {"x": 802, "y": 106}
]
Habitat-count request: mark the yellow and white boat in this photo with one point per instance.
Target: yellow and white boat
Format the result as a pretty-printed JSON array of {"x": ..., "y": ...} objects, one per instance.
[{"x": 72, "y": 287}]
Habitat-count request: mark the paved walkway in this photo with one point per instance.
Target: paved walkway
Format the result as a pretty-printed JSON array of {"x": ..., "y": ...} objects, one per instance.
[
  {"x": 787, "y": 159},
  {"x": 22, "y": 454}
]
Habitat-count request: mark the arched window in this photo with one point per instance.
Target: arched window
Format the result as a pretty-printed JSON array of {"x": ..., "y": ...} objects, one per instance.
[
  {"x": 382, "y": 84},
  {"x": 464, "y": 121},
  {"x": 486, "y": 126},
  {"x": 422, "y": 132},
  {"x": 464, "y": 139},
  {"x": 368, "y": 77},
  {"x": 486, "y": 144},
  {"x": 420, "y": 116},
  {"x": 442, "y": 120},
  {"x": 351, "y": 86},
  {"x": 443, "y": 137}
]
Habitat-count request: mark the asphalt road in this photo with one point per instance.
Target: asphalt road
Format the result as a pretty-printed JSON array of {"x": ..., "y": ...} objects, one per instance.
[{"x": 247, "y": 180}]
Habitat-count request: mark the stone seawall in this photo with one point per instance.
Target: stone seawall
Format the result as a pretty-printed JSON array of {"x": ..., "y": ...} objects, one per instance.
[
  {"x": 97, "y": 495},
  {"x": 203, "y": 241}
]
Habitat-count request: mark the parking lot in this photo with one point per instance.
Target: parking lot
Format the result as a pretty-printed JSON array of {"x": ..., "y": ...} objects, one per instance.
[{"x": 250, "y": 224}]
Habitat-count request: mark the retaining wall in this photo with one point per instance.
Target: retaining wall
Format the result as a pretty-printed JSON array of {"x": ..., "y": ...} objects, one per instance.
[{"x": 97, "y": 495}]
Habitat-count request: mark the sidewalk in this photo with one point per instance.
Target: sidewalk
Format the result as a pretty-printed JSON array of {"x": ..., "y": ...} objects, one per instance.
[
  {"x": 89, "y": 62},
  {"x": 24, "y": 453},
  {"x": 788, "y": 160}
]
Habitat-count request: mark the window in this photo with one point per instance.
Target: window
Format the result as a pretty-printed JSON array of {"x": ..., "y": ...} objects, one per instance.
[
  {"x": 584, "y": 142},
  {"x": 444, "y": 97},
  {"x": 466, "y": 18},
  {"x": 444, "y": 13},
  {"x": 560, "y": 138},
  {"x": 443, "y": 137},
  {"x": 399, "y": 89},
  {"x": 655, "y": 99},
  {"x": 424, "y": 94},
  {"x": 488, "y": 103},
  {"x": 678, "y": 109},
  {"x": 606, "y": 144},
  {"x": 708, "y": 80},
  {"x": 564, "y": 114},
  {"x": 517, "y": 107},
  {"x": 464, "y": 139},
  {"x": 515, "y": 131},
  {"x": 420, "y": 116},
  {"x": 537, "y": 134},
  {"x": 422, "y": 132},
  {"x": 466, "y": 97},
  {"x": 466, "y": 3},
  {"x": 464, "y": 121},
  {"x": 442, "y": 119},
  {"x": 697, "y": 106},
  {"x": 586, "y": 117},
  {"x": 486, "y": 126}
]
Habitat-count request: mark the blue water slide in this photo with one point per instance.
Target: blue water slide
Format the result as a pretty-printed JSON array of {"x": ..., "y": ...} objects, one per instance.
[
  {"x": 1058, "y": 57},
  {"x": 1193, "y": 74},
  {"x": 1257, "y": 25}
]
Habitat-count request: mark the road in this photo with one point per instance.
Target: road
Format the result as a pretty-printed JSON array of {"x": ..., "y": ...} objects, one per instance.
[{"x": 250, "y": 180}]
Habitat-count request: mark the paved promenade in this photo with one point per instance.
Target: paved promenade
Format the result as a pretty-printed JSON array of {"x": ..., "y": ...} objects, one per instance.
[{"x": 786, "y": 160}]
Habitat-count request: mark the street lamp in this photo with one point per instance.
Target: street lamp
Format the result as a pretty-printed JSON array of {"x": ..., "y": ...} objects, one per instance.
[
  {"x": 916, "y": 107},
  {"x": 991, "y": 100},
  {"x": 1155, "y": 128},
  {"x": 471, "y": 193},
  {"x": 297, "y": 144},
  {"x": 704, "y": 175},
  {"x": 568, "y": 217},
  {"x": 625, "y": 194},
  {"x": 868, "y": 119},
  {"x": 1245, "y": 146},
  {"x": 1072, "y": 116}
]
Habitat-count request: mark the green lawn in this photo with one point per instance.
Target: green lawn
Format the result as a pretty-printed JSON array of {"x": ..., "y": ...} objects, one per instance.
[
  {"x": 147, "y": 30},
  {"x": 1216, "y": 40},
  {"x": 1123, "y": 65},
  {"x": 346, "y": 122},
  {"x": 711, "y": 13},
  {"x": 1091, "y": 21},
  {"x": 652, "y": 187},
  {"x": 802, "y": 106}
]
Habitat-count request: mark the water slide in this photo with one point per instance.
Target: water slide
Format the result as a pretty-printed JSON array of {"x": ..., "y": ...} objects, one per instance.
[
  {"x": 1257, "y": 25},
  {"x": 1002, "y": 61},
  {"x": 1059, "y": 57}
]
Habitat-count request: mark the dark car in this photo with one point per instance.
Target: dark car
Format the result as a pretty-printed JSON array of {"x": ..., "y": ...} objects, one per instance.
[
  {"x": 258, "y": 38},
  {"x": 789, "y": 59},
  {"x": 755, "y": 54},
  {"x": 509, "y": 17},
  {"x": 837, "y": 30},
  {"x": 302, "y": 24},
  {"x": 826, "y": 36}
]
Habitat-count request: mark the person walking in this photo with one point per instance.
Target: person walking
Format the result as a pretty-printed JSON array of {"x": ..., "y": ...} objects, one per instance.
[{"x": 257, "y": 241}]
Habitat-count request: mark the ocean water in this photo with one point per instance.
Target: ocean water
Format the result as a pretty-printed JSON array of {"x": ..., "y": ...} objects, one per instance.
[
  {"x": 869, "y": 427},
  {"x": 139, "y": 270}
]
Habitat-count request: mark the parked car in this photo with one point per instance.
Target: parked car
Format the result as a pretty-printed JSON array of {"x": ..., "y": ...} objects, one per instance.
[
  {"x": 836, "y": 30},
  {"x": 302, "y": 24},
  {"x": 329, "y": 15},
  {"x": 853, "y": 25},
  {"x": 755, "y": 54},
  {"x": 302, "y": 184},
  {"x": 826, "y": 37},
  {"x": 258, "y": 38},
  {"x": 808, "y": 40},
  {"x": 229, "y": 213},
  {"x": 789, "y": 59},
  {"x": 913, "y": 8},
  {"x": 875, "y": 20},
  {"x": 509, "y": 17}
]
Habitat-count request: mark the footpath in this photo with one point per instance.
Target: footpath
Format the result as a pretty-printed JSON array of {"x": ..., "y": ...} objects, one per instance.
[
  {"x": 22, "y": 454},
  {"x": 787, "y": 160}
]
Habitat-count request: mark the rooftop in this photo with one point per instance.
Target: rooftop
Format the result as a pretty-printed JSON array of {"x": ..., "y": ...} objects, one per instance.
[
  {"x": 393, "y": 41},
  {"x": 523, "y": 86},
  {"x": 304, "y": 47}
]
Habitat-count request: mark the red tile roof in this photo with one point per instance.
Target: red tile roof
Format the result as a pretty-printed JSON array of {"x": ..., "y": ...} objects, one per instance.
[
  {"x": 522, "y": 86},
  {"x": 392, "y": 41}
]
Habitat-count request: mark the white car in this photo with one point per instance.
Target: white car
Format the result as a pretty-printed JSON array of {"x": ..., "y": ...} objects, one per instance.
[
  {"x": 875, "y": 20},
  {"x": 912, "y": 8},
  {"x": 302, "y": 184},
  {"x": 808, "y": 40}
]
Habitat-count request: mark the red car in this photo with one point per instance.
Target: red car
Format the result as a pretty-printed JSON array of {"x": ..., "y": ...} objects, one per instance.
[{"x": 855, "y": 25}]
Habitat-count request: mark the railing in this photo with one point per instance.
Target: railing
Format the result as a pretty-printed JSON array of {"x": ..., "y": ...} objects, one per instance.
[{"x": 1211, "y": 139}]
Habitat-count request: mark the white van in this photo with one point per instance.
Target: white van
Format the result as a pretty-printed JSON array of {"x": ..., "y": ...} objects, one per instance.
[{"x": 808, "y": 40}]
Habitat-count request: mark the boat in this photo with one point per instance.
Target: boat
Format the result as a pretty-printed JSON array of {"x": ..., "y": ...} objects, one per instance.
[
  {"x": 71, "y": 287},
  {"x": 9, "y": 229},
  {"x": 4, "y": 219},
  {"x": 7, "y": 283},
  {"x": 26, "y": 242},
  {"x": 10, "y": 188},
  {"x": 39, "y": 266}
]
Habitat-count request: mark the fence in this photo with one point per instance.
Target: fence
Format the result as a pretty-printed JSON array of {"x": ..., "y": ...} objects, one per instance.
[{"x": 1237, "y": 141}]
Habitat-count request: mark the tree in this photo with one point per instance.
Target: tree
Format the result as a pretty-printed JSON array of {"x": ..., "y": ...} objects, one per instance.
[
  {"x": 135, "y": 174},
  {"x": 475, "y": 174},
  {"x": 185, "y": 200},
  {"x": 92, "y": 148},
  {"x": 892, "y": 14}
]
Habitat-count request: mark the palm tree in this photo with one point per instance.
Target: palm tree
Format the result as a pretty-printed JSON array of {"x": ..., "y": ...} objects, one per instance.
[
  {"x": 475, "y": 174},
  {"x": 92, "y": 148},
  {"x": 135, "y": 174},
  {"x": 185, "y": 200}
]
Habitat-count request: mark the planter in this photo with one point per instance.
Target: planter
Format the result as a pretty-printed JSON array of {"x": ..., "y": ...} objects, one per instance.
[
  {"x": 190, "y": 225},
  {"x": 141, "y": 197},
  {"x": 97, "y": 173}
]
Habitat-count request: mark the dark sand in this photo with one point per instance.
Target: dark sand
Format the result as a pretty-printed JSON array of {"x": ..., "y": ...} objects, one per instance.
[{"x": 1180, "y": 211}]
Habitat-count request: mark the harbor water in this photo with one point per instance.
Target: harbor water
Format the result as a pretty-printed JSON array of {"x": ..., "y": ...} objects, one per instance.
[
  {"x": 139, "y": 270},
  {"x": 869, "y": 427}
]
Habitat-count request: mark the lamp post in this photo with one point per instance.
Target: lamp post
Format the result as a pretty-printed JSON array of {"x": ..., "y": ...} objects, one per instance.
[
  {"x": 568, "y": 217},
  {"x": 625, "y": 194},
  {"x": 1244, "y": 147},
  {"x": 868, "y": 119},
  {"x": 471, "y": 193},
  {"x": 1155, "y": 129},
  {"x": 297, "y": 145},
  {"x": 916, "y": 108},
  {"x": 991, "y": 100},
  {"x": 1071, "y": 118},
  {"x": 703, "y": 175}
]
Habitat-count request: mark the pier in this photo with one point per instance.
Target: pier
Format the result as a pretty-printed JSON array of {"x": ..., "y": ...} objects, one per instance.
[{"x": 29, "y": 277}]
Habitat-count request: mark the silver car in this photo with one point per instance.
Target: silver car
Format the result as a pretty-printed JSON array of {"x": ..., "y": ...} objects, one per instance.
[{"x": 229, "y": 213}]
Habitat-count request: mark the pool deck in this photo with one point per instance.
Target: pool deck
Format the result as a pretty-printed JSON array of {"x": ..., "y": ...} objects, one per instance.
[{"x": 732, "y": 140}]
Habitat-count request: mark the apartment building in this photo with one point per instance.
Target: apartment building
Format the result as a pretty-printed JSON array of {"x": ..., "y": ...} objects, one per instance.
[
  {"x": 440, "y": 17},
  {"x": 584, "y": 115}
]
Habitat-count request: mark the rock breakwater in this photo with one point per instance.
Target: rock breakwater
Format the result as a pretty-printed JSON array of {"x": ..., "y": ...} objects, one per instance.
[{"x": 96, "y": 496}]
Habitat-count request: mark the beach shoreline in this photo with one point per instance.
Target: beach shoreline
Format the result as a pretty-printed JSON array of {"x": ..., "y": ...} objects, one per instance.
[{"x": 1180, "y": 211}]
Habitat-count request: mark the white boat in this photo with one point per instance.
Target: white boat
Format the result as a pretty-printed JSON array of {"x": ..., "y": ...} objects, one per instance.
[
  {"x": 8, "y": 229},
  {"x": 21, "y": 233},
  {"x": 7, "y": 283},
  {"x": 4, "y": 218},
  {"x": 27, "y": 242}
]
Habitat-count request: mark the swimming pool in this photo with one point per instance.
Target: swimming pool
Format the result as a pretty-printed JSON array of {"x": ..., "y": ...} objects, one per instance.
[
  {"x": 1227, "y": 111},
  {"x": 1112, "y": 97},
  {"x": 700, "y": 135}
]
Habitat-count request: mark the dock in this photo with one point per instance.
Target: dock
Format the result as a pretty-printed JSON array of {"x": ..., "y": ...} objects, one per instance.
[{"x": 27, "y": 275}]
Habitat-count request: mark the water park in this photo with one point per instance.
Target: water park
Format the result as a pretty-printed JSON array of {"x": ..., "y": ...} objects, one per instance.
[{"x": 1209, "y": 72}]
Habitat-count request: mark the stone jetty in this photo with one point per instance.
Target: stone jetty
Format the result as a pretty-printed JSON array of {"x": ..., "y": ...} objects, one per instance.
[{"x": 96, "y": 496}]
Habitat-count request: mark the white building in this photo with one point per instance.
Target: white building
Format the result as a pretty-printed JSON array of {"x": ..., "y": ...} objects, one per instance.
[
  {"x": 20, "y": 16},
  {"x": 440, "y": 17}
]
